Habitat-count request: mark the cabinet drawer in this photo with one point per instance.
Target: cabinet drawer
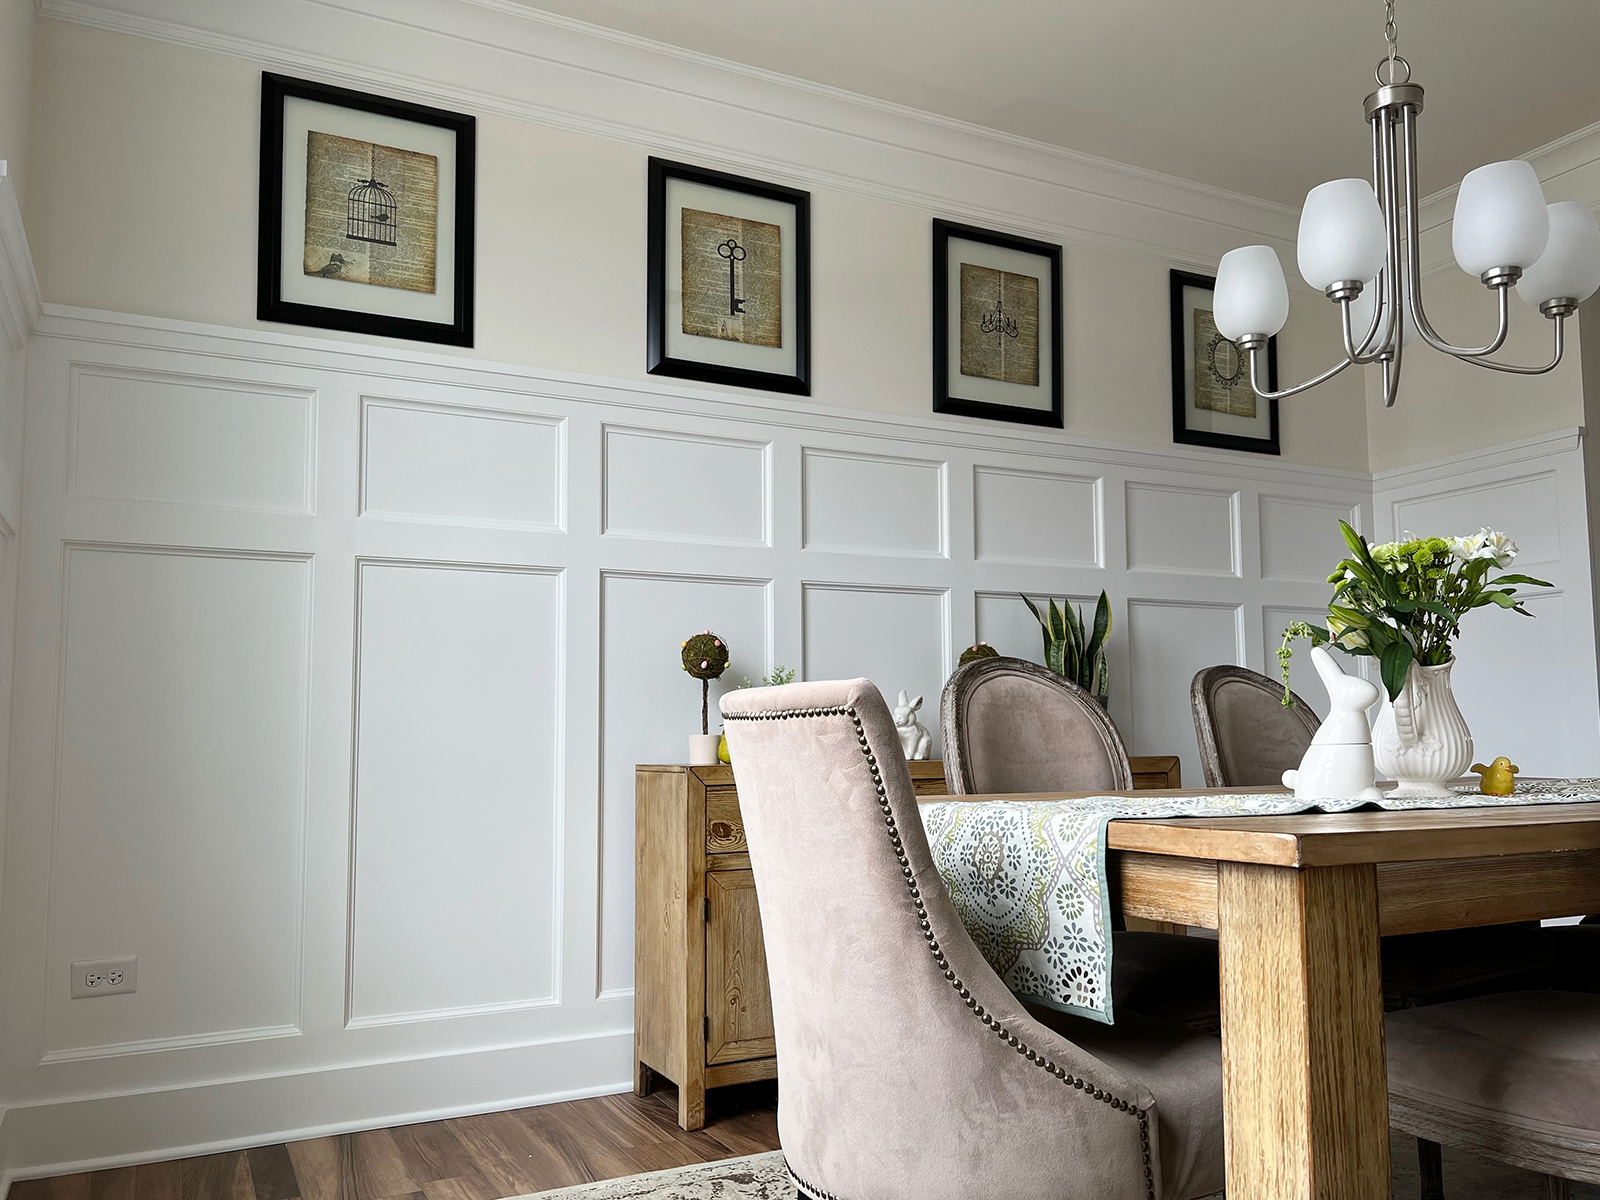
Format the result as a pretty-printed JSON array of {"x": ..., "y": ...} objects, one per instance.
[{"x": 724, "y": 825}]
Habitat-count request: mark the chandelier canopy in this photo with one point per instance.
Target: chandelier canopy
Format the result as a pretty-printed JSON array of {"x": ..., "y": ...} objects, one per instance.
[{"x": 1358, "y": 245}]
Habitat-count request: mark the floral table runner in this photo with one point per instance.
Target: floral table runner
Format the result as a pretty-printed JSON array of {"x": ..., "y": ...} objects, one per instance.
[{"x": 1028, "y": 878}]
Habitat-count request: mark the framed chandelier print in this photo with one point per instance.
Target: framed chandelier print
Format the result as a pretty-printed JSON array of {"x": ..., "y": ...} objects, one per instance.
[
  {"x": 729, "y": 279},
  {"x": 367, "y": 213},
  {"x": 996, "y": 326},
  {"x": 1213, "y": 403}
]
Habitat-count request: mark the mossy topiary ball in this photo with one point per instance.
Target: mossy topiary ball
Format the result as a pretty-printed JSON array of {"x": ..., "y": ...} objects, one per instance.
[
  {"x": 974, "y": 653},
  {"x": 705, "y": 656}
]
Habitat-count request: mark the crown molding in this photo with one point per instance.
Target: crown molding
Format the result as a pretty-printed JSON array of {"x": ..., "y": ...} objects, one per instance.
[
  {"x": 502, "y": 57},
  {"x": 20, "y": 307}
]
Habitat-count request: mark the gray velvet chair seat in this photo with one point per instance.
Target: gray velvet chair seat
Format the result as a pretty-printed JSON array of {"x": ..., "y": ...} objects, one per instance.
[{"x": 1514, "y": 1077}]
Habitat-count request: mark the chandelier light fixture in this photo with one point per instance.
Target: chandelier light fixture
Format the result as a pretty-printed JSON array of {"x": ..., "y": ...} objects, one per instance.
[{"x": 1358, "y": 245}]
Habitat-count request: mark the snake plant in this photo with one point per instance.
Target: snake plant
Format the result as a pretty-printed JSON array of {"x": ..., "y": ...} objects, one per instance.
[{"x": 1071, "y": 649}]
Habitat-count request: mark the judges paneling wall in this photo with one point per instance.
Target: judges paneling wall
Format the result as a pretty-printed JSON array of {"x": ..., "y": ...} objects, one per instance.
[{"x": 340, "y": 658}]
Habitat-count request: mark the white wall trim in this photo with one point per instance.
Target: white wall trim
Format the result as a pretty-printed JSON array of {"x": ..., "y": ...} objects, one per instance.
[
  {"x": 20, "y": 305},
  {"x": 495, "y": 56},
  {"x": 1539, "y": 446}
]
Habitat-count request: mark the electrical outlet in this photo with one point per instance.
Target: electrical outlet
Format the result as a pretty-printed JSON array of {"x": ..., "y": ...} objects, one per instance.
[{"x": 104, "y": 977}]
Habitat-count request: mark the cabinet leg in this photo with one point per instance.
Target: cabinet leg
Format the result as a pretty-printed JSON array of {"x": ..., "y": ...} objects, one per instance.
[
  {"x": 692, "y": 1105},
  {"x": 644, "y": 1079}
]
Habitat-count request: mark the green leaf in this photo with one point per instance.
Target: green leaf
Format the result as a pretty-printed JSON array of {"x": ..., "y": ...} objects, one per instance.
[
  {"x": 1500, "y": 598},
  {"x": 1357, "y": 543},
  {"x": 1393, "y": 665},
  {"x": 1033, "y": 608},
  {"x": 1527, "y": 579}
]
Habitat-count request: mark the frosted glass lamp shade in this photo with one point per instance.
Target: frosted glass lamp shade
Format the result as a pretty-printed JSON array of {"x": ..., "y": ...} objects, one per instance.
[
  {"x": 1251, "y": 295},
  {"x": 1341, "y": 233},
  {"x": 1569, "y": 268},
  {"x": 1501, "y": 219},
  {"x": 1361, "y": 316}
]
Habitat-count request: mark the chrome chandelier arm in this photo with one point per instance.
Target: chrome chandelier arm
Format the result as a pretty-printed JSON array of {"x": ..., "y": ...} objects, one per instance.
[
  {"x": 1255, "y": 385},
  {"x": 1414, "y": 256},
  {"x": 1514, "y": 369}
]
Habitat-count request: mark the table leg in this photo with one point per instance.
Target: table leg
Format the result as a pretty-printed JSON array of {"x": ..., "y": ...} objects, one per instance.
[{"x": 1303, "y": 1078}]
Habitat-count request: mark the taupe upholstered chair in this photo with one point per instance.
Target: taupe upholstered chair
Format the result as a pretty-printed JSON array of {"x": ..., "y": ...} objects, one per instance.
[
  {"x": 1009, "y": 725},
  {"x": 1247, "y": 737},
  {"x": 905, "y": 1067},
  {"x": 1513, "y": 1077}
]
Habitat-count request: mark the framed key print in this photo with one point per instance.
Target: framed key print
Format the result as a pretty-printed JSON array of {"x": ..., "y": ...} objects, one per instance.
[
  {"x": 1213, "y": 403},
  {"x": 729, "y": 279},
  {"x": 996, "y": 326},
  {"x": 367, "y": 213}
]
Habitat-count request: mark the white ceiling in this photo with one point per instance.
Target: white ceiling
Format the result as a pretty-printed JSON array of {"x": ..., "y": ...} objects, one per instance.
[{"x": 1256, "y": 96}]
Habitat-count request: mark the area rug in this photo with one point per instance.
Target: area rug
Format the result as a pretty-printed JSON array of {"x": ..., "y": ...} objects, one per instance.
[{"x": 753, "y": 1177}]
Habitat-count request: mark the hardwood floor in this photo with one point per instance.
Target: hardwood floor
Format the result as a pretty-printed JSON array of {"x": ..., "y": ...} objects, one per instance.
[{"x": 464, "y": 1158}]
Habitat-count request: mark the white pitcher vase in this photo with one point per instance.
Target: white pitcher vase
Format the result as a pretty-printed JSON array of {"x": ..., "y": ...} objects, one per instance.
[{"x": 1421, "y": 739}]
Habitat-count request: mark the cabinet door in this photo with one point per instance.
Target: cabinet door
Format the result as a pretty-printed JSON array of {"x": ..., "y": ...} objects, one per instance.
[{"x": 738, "y": 1005}]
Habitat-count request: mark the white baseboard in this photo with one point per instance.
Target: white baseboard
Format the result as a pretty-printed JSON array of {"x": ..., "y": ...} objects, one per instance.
[{"x": 96, "y": 1133}]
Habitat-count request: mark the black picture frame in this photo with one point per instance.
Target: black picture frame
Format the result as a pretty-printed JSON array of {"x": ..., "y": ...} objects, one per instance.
[
  {"x": 657, "y": 360},
  {"x": 943, "y": 401},
  {"x": 270, "y": 304},
  {"x": 1181, "y": 433}
]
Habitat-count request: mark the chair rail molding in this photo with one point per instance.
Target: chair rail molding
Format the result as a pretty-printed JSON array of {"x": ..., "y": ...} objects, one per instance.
[{"x": 503, "y": 57}]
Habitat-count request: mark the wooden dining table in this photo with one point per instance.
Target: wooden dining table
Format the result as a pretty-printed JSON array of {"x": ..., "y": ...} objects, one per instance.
[{"x": 1299, "y": 903}]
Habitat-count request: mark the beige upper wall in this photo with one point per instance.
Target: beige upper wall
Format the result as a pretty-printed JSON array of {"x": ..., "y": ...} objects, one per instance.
[
  {"x": 143, "y": 199},
  {"x": 16, "y": 69},
  {"x": 1447, "y": 407}
]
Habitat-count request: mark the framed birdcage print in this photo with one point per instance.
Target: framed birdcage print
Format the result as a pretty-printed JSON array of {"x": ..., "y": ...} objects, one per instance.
[
  {"x": 367, "y": 213},
  {"x": 1213, "y": 403},
  {"x": 729, "y": 279},
  {"x": 996, "y": 326}
]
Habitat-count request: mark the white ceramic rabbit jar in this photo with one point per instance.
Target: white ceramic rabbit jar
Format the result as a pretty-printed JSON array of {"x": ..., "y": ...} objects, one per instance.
[
  {"x": 1338, "y": 765},
  {"x": 915, "y": 739}
]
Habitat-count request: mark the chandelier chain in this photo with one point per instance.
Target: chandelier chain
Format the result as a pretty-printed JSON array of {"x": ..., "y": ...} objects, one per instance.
[{"x": 1390, "y": 34}]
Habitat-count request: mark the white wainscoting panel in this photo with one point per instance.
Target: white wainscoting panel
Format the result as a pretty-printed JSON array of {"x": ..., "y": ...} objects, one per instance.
[
  {"x": 682, "y": 487},
  {"x": 1170, "y": 641},
  {"x": 651, "y": 706},
  {"x": 454, "y": 904},
  {"x": 1188, "y": 530},
  {"x": 896, "y": 637},
  {"x": 180, "y": 796},
  {"x": 1527, "y": 686},
  {"x": 1300, "y": 539},
  {"x": 457, "y": 464},
  {"x": 1036, "y": 517},
  {"x": 187, "y": 439},
  {"x": 864, "y": 504}
]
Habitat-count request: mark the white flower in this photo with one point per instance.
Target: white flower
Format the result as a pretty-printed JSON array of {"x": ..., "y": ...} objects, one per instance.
[
  {"x": 1496, "y": 546},
  {"x": 1466, "y": 549},
  {"x": 1343, "y": 635}
]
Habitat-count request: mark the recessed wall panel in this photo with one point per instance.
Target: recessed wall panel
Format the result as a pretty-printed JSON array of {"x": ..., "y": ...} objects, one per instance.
[
  {"x": 1300, "y": 539},
  {"x": 649, "y": 708},
  {"x": 892, "y": 636},
  {"x": 1188, "y": 530},
  {"x": 462, "y": 465},
  {"x": 187, "y": 439},
  {"x": 863, "y": 504},
  {"x": 1168, "y": 642},
  {"x": 458, "y": 762},
  {"x": 1036, "y": 517},
  {"x": 1527, "y": 508},
  {"x": 683, "y": 487},
  {"x": 180, "y": 796}
]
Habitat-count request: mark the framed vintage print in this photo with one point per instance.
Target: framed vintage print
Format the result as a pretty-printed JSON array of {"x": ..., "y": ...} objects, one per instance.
[
  {"x": 996, "y": 326},
  {"x": 367, "y": 213},
  {"x": 1213, "y": 403},
  {"x": 729, "y": 279}
]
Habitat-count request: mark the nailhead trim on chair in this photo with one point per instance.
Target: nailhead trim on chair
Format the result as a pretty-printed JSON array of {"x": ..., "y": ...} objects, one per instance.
[{"x": 954, "y": 980}]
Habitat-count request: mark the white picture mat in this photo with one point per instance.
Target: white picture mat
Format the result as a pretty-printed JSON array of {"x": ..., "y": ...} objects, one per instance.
[
  {"x": 1204, "y": 419},
  {"x": 682, "y": 194},
  {"x": 300, "y": 117},
  {"x": 1041, "y": 398}
]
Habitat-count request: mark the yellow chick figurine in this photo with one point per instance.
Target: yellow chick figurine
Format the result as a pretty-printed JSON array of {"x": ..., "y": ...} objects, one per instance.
[{"x": 1499, "y": 777}]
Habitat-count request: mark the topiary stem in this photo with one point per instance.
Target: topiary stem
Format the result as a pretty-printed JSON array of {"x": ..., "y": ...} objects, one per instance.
[{"x": 705, "y": 702}]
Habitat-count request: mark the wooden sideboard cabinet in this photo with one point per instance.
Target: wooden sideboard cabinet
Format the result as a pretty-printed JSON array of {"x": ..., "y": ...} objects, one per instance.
[{"x": 702, "y": 1015}]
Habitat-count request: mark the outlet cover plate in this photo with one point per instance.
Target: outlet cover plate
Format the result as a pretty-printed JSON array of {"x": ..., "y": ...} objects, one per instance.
[{"x": 104, "y": 977}]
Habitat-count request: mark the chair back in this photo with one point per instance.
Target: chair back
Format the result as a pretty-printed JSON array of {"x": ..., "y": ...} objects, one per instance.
[
  {"x": 1247, "y": 737},
  {"x": 1010, "y": 725},
  {"x": 905, "y": 1066}
]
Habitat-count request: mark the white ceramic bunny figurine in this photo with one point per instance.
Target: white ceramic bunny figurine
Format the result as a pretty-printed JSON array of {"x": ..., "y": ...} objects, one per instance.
[
  {"x": 915, "y": 740},
  {"x": 1338, "y": 763}
]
